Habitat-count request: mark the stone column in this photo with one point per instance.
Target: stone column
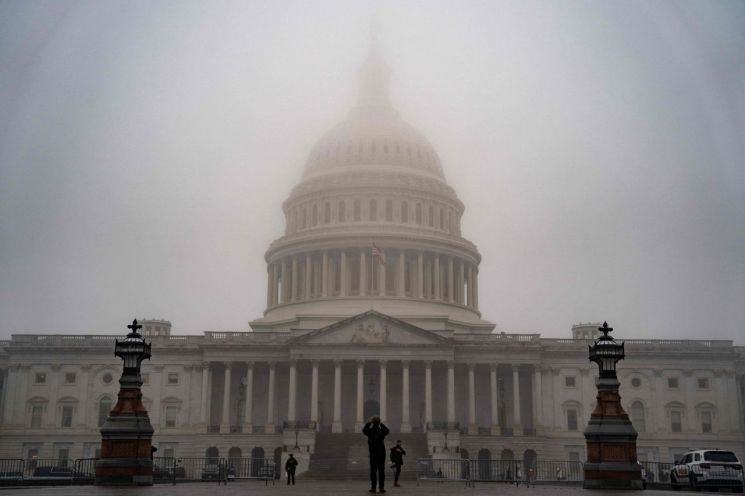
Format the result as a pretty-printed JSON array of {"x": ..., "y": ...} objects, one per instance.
[
  {"x": 11, "y": 379},
  {"x": 460, "y": 297},
  {"x": 537, "y": 395},
  {"x": 401, "y": 273},
  {"x": 308, "y": 290},
  {"x": 284, "y": 278},
  {"x": 517, "y": 428},
  {"x": 427, "y": 394},
  {"x": 405, "y": 414},
  {"x": 469, "y": 283},
  {"x": 420, "y": 275},
  {"x": 203, "y": 417},
  {"x": 51, "y": 414},
  {"x": 337, "y": 425},
  {"x": 451, "y": 392},
  {"x": 248, "y": 413},
  {"x": 472, "y": 427},
  {"x": 314, "y": 394},
  {"x": 325, "y": 275},
  {"x": 436, "y": 271},
  {"x": 360, "y": 395},
  {"x": 270, "y": 428},
  {"x": 292, "y": 387},
  {"x": 381, "y": 279},
  {"x": 225, "y": 424},
  {"x": 344, "y": 283},
  {"x": 495, "y": 430},
  {"x": 476, "y": 288},
  {"x": 451, "y": 285},
  {"x": 275, "y": 283},
  {"x": 293, "y": 283},
  {"x": 363, "y": 273},
  {"x": 383, "y": 388}
]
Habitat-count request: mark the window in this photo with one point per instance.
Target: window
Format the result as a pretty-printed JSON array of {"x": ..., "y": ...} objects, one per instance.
[
  {"x": 373, "y": 210},
  {"x": 703, "y": 383},
  {"x": 404, "y": 212},
  {"x": 442, "y": 219},
  {"x": 303, "y": 219},
  {"x": 172, "y": 378},
  {"x": 169, "y": 453},
  {"x": 314, "y": 219},
  {"x": 431, "y": 217},
  {"x": 104, "y": 407},
  {"x": 70, "y": 378},
  {"x": 672, "y": 382},
  {"x": 171, "y": 412},
  {"x": 676, "y": 421},
  {"x": 342, "y": 212},
  {"x": 389, "y": 210},
  {"x": 67, "y": 411},
  {"x": 63, "y": 456},
  {"x": 637, "y": 416},
  {"x": 570, "y": 381},
  {"x": 706, "y": 421},
  {"x": 636, "y": 382},
  {"x": 37, "y": 412},
  {"x": 327, "y": 213},
  {"x": 419, "y": 214},
  {"x": 572, "y": 419},
  {"x": 40, "y": 378},
  {"x": 146, "y": 379},
  {"x": 32, "y": 456},
  {"x": 357, "y": 210}
]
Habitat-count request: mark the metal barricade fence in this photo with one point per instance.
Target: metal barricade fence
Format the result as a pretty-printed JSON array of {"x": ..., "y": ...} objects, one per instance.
[
  {"x": 657, "y": 472},
  {"x": 48, "y": 470},
  {"x": 444, "y": 470},
  {"x": 84, "y": 470},
  {"x": 11, "y": 471},
  {"x": 212, "y": 469}
]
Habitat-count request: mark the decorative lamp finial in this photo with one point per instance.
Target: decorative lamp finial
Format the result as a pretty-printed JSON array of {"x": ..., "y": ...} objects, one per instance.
[{"x": 605, "y": 329}]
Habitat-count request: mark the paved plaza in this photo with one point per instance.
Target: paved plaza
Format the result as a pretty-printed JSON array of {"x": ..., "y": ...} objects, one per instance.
[{"x": 321, "y": 488}]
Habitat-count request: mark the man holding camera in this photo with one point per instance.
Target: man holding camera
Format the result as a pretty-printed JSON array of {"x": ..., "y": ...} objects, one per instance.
[{"x": 376, "y": 432}]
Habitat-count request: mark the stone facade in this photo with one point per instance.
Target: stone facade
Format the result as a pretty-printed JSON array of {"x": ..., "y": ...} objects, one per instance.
[{"x": 345, "y": 335}]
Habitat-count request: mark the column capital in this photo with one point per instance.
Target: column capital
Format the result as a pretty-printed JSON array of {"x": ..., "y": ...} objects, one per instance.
[
  {"x": 406, "y": 363},
  {"x": 451, "y": 364},
  {"x": 382, "y": 363},
  {"x": 250, "y": 364},
  {"x": 360, "y": 363},
  {"x": 272, "y": 364},
  {"x": 493, "y": 367},
  {"x": 471, "y": 367},
  {"x": 427, "y": 363},
  {"x": 515, "y": 367},
  {"x": 337, "y": 362},
  {"x": 228, "y": 365},
  {"x": 292, "y": 362},
  {"x": 315, "y": 362},
  {"x": 206, "y": 365}
]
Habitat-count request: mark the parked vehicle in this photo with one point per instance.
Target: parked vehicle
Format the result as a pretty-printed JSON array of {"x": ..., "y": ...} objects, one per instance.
[{"x": 711, "y": 469}]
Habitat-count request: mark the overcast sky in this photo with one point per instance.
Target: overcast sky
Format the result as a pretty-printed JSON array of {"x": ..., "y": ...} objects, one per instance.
[{"x": 599, "y": 147}]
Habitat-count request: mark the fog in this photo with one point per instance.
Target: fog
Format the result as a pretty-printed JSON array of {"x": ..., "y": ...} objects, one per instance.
[{"x": 146, "y": 149}]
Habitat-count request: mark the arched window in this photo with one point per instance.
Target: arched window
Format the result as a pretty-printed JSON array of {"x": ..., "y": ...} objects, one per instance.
[
  {"x": 303, "y": 219},
  {"x": 431, "y": 219},
  {"x": 327, "y": 213},
  {"x": 342, "y": 211},
  {"x": 373, "y": 209},
  {"x": 105, "y": 405},
  {"x": 212, "y": 455},
  {"x": 314, "y": 220},
  {"x": 637, "y": 416},
  {"x": 357, "y": 210},
  {"x": 404, "y": 212},
  {"x": 389, "y": 210},
  {"x": 442, "y": 219},
  {"x": 418, "y": 214}
]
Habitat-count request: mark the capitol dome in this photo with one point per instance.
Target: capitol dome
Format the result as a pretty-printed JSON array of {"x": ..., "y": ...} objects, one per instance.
[{"x": 373, "y": 225}]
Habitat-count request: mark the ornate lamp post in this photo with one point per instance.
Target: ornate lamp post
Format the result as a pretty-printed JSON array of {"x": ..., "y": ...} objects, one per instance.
[
  {"x": 126, "y": 435},
  {"x": 611, "y": 439}
]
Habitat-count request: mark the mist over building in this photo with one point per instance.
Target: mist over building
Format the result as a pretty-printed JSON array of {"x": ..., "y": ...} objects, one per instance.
[{"x": 372, "y": 308}]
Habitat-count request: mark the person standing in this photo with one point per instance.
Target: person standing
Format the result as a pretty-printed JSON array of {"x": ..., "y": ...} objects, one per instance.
[
  {"x": 376, "y": 431},
  {"x": 397, "y": 459},
  {"x": 290, "y": 467},
  {"x": 531, "y": 477}
]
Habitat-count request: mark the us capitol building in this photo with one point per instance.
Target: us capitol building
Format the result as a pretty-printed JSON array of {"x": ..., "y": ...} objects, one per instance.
[{"x": 372, "y": 308}]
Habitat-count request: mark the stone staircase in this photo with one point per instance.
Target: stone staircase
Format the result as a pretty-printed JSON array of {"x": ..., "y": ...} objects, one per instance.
[{"x": 344, "y": 456}]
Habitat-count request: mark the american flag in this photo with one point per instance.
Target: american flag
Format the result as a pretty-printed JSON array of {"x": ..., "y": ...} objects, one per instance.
[{"x": 378, "y": 255}]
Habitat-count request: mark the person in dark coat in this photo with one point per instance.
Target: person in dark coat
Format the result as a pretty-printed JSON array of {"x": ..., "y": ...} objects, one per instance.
[
  {"x": 376, "y": 431},
  {"x": 397, "y": 459},
  {"x": 290, "y": 466}
]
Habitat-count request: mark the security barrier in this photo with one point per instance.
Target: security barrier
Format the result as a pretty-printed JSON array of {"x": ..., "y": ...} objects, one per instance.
[
  {"x": 212, "y": 469},
  {"x": 444, "y": 470},
  {"x": 512, "y": 471}
]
